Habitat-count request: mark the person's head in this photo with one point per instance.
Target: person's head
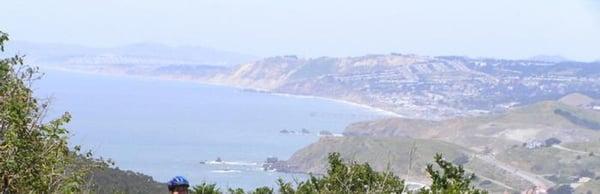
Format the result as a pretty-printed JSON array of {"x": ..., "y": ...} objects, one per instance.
[{"x": 178, "y": 185}]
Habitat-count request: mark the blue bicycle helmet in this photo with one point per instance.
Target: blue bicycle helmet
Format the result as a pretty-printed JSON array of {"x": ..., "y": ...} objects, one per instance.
[{"x": 177, "y": 181}]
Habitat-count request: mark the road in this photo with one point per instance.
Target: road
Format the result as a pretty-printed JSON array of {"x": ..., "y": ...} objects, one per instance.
[
  {"x": 569, "y": 149},
  {"x": 534, "y": 179}
]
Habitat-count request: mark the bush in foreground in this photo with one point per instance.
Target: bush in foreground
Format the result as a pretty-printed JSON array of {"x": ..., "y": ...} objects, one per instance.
[
  {"x": 34, "y": 154},
  {"x": 361, "y": 178}
]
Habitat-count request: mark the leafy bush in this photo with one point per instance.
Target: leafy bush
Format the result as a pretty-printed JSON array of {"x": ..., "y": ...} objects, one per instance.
[
  {"x": 205, "y": 188},
  {"x": 35, "y": 157},
  {"x": 263, "y": 190},
  {"x": 452, "y": 179}
]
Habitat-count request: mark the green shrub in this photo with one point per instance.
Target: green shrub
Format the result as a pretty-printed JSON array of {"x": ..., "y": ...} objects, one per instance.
[{"x": 35, "y": 156}]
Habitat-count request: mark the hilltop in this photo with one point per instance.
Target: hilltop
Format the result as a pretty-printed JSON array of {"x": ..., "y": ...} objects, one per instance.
[
  {"x": 544, "y": 144},
  {"x": 579, "y": 100}
]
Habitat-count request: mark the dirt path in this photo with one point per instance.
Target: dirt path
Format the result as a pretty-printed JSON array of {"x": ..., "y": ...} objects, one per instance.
[{"x": 569, "y": 149}]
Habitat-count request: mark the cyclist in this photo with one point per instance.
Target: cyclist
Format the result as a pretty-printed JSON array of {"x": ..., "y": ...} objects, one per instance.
[{"x": 178, "y": 185}]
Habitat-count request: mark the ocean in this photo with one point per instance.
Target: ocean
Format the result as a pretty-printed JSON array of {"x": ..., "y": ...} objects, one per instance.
[{"x": 166, "y": 128}]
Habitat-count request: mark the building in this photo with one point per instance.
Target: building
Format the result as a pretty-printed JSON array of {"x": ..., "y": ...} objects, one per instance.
[{"x": 532, "y": 144}]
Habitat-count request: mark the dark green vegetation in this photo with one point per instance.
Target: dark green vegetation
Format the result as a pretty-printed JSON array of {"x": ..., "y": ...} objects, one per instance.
[
  {"x": 113, "y": 180},
  {"x": 34, "y": 154},
  {"x": 354, "y": 177}
]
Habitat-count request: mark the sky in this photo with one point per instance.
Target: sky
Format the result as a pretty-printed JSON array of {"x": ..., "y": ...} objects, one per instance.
[{"x": 312, "y": 28}]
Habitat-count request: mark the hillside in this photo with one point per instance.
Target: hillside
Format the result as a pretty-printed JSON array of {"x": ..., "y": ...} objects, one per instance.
[
  {"x": 114, "y": 180},
  {"x": 543, "y": 144},
  {"x": 420, "y": 86}
]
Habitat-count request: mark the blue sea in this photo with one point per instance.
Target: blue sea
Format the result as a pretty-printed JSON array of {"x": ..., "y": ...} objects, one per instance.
[{"x": 166, "y": 128}]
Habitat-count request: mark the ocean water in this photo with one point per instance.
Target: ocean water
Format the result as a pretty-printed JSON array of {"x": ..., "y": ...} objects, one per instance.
[{"x": 167, "y": 128}]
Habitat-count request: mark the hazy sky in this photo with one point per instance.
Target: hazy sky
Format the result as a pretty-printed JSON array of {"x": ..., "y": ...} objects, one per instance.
[{"x": 478, "y": 28}]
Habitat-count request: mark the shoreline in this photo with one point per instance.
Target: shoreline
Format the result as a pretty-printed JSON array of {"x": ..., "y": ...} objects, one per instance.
[
  {"x": 184, "y": 79},
  {"x": 376, "y": 110}
]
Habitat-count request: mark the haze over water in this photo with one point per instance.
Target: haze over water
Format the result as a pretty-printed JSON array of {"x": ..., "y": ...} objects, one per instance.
[{"x": 166, "y": 128}]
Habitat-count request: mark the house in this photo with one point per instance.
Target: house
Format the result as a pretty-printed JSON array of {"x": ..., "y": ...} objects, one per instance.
[{"x": 532, "y": 144}]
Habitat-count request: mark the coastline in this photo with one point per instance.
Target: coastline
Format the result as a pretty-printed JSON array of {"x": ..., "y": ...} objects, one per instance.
[
  {"x": 364, "y": 106},
  {"x": 184, "y": 79},
  {"x": 377, "y": 110}
]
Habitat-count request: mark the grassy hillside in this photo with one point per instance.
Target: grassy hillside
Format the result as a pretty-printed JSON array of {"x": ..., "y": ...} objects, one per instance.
[
  {"x": 535, "y": 122},
  {"x": 381, "y": 153},
  {"x": 495, "y": 147},
  {"x": 557, "y": 165}
]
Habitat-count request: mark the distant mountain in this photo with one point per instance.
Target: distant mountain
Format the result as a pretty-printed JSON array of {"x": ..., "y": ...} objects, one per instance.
[
  {"x": 549, "y": 58},
  {"x": 543, "y": 144},
  {"x": 143, "y": 54}
]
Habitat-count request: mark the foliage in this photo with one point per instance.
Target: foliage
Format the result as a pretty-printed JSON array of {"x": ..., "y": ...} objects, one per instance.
[
  {"x": 205, "y": 188},
  {"x": 452, "y": 179},
  {"x": 35, "y": 157},
  {"x": 114, "y": 180},
  {"x": 348, "y": 178},
  {"x": 263, "y": 190},
  {"x": 236, "y": 191},
  {"x": 552, "y": 141}
]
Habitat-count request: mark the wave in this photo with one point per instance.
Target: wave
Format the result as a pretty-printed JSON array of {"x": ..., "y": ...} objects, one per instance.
[
  {"x": 332, "y": 135},
  {"x": 225, "y": 171},
  {"x": 233, "y": 163}
]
